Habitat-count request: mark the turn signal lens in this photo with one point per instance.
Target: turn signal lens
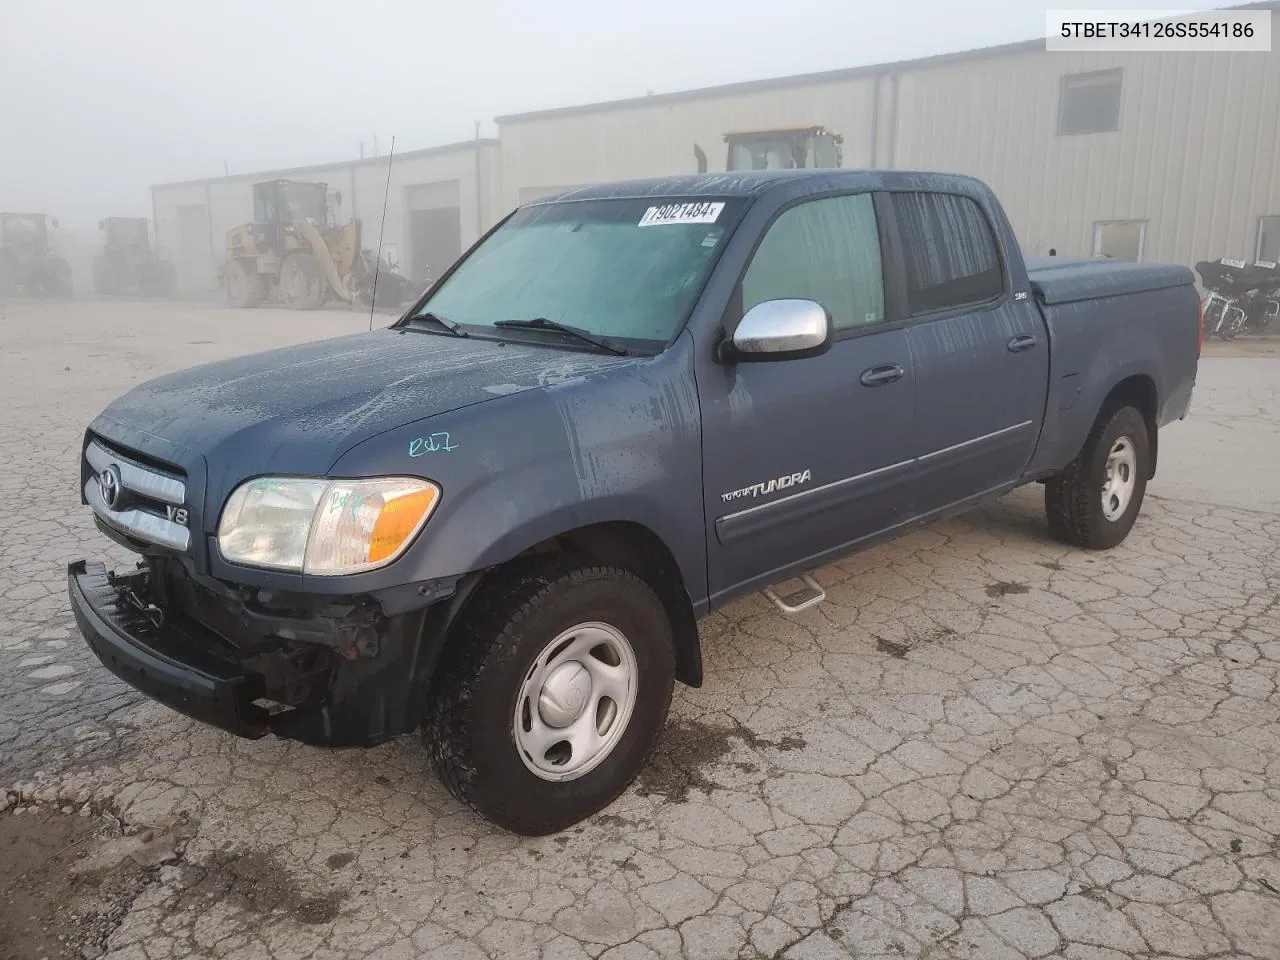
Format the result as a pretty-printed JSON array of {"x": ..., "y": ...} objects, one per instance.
[{"x": 398, "y": 522}]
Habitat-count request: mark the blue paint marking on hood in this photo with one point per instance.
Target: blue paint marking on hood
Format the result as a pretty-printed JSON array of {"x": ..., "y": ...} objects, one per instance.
[{"x": 297, "y": 409}]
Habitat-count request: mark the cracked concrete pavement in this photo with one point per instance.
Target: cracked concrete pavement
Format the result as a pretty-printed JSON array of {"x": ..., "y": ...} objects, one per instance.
[{"x": 984, "y": 745}]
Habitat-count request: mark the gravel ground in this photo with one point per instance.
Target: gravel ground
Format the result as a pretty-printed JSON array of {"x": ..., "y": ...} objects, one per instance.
[{"x": 983, "y": 745}]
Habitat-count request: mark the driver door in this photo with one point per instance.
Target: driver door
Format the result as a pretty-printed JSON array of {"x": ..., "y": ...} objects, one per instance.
[{"x": 804, "y": 458}]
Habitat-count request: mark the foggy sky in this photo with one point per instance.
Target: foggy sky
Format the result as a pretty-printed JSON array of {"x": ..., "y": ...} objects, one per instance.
[{"x": 99, "y": 99}]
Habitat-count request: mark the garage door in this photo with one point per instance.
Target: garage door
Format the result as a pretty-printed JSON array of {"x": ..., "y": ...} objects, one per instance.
[
  {"x": 435, "y": 228},
  {"x": 195, "y": 261}
]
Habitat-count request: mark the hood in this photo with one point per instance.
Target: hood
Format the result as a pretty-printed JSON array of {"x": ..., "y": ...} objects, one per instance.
[{"x": 297, "y": 409}]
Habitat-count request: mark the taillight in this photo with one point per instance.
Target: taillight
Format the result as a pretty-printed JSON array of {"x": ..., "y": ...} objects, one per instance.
[{"x": 1200, "y": 332}]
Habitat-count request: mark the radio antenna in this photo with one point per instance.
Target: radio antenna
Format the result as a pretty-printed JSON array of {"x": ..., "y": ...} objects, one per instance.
[{"x": 377, "y": 264}]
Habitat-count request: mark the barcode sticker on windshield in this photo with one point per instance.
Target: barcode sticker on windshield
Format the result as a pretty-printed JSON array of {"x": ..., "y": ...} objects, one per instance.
[{"x": 681, "y": 213}]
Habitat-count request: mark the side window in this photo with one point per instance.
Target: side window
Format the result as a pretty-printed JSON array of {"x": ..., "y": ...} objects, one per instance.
[
  {"x": 950, "y": 253},
  {"x": 825, "y": 250}
]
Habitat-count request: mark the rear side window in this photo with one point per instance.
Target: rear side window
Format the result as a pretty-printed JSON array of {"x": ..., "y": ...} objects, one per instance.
[
  {"x": 826, "y": 250},
  {"x": 951, "y": 255}
]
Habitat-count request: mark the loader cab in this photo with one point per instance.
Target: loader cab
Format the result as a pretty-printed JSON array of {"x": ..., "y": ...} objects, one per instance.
[
  {"x": 278, "y": 203},
  {"x": 27, "y": 232},
  {"x": 788, "y": 149},
  {"x": 127, "y": 234}
]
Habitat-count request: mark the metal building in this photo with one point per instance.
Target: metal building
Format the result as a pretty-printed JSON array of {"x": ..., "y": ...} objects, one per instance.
[
  {"x": 1155, "y": 156},
  {"x": 439, "y": 202},
  {"x": 1150, "y": 156}
]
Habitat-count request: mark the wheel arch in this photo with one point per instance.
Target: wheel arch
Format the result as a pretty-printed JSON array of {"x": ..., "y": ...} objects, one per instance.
[
  {"x": 631, "y": 546},
  {"x": 1137, "y": 391}
]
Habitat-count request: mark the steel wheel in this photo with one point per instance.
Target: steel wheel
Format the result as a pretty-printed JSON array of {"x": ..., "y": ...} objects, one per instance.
[
  {"x": 1120, "y": 479},
  {"x": 576, "y": 701}
]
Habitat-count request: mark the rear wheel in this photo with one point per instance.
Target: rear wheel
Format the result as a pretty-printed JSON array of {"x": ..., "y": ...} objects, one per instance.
[
  {"x": 8, "y": 275},
  {"x": 553, "y": 696},
  {"x": 1095, "y": 501},
  {"x": 302, "y": 282},
  {"x": 161, "y": 279},
  {"x": 58, "y": 278},
  {"x": 166, "y": 279},
  {"x": 101, "y": 279},
  {"x": 245, "y": 286}
]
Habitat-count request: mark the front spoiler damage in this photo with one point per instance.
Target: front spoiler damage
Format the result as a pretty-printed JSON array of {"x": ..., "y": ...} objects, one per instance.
[{"x": 358, "y": 678}]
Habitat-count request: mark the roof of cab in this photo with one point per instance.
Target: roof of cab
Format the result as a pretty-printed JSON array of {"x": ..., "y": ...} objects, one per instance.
[{"x": 755, "y": 183}]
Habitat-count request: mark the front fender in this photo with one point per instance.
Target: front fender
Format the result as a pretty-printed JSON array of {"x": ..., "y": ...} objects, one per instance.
[{"x": 623, "y": 445}]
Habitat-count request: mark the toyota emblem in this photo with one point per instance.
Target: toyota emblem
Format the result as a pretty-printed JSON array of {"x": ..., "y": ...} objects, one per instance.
[{"x": 109, "y": 486}]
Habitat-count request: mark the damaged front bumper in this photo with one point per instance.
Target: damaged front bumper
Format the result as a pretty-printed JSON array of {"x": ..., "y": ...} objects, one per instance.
[{"x": 354, "y": 672}]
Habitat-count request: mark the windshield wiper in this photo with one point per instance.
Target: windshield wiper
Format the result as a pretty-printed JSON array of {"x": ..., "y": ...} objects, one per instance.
[
  {"x": 436, "y": 320},
  {"x": 542, "y": 323}
]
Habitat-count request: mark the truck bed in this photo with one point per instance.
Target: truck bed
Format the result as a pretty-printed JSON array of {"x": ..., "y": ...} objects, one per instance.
[
  {"x": 1101, "y": 334},
  {"x": 1056, "y": 280}
]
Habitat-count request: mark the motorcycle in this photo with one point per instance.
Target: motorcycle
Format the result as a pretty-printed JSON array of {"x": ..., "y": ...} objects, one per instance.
[{"x": 1241, "y": 297}]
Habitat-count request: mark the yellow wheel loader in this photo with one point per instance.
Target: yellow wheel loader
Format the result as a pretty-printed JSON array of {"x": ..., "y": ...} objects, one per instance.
[
  {"x": 293, "y": 253},
  {"x": 792, "y": 148},
  {"x": 128, "y": 264},
  {"x": 28, "y": 261}
]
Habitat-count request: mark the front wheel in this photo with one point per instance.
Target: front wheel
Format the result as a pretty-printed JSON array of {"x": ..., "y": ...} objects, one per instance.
[
  {"x": 58, "y": 280},
  {"x": 302, "y": 282},
  {"x": 1094, "y": 502},
  {"x": 245, "y": 286},
  {"x": 553, "y": 696}
]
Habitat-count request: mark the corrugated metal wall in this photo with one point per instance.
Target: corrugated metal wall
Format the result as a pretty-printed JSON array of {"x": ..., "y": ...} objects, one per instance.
[
  {"x": 643, "y": 141},
  {"x": 1196, "y": 155},
  {"x": 229, "y": 201}
]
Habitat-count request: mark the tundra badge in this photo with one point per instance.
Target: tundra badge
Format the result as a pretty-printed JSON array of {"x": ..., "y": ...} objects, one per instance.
[{"x": 769, "y": 486}]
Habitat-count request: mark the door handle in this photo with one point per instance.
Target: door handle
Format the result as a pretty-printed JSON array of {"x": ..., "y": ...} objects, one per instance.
[
  {"x": 1018, "y": 344},
  {"x": 879, "y": 375}
]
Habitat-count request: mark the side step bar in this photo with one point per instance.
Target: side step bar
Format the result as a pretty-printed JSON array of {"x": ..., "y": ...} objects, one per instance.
[{"x": 797, "y": 601}]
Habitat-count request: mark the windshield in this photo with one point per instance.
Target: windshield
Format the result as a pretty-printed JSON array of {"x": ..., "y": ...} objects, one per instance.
[
  {"x": 305, "y": 201},
  {"x": 126, "y": 231},
  {"x": 624, "y": 269},
  {"x": 774, "y": 153}
]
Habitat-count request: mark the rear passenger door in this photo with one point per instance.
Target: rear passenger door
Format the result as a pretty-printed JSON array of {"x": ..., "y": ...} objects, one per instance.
[
  {"x": 980, "y": 355},
  {"x": 803, "y": 458}
]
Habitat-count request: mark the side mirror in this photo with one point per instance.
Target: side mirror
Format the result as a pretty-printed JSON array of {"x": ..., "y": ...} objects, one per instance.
[
  {"x": 780, "y": 330},
  {"x": 337, "y": 197},
  {"x": 102, "y": 224},
  {"x": 54, "y": 221}
]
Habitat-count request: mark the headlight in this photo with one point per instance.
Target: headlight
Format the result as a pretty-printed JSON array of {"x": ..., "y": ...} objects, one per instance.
[{"x": 323, "y": 527}]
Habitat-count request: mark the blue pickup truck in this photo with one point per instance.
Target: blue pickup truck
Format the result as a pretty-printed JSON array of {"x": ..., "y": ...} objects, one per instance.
[{"x": 499, "y": 519}]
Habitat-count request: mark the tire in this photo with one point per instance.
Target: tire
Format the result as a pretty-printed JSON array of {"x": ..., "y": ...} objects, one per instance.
[
  {"x": 8, "y": 276},
  {"x": 166, "y": 279},
  {"x": 101, "y": 282},
  {"x": 1074, "y": 499},
  {"x": 488, "y": 688},
  {"x": 245, "y": 286},
  {"x": 56, "y": 278},
  {"x": 1213, "y": 319},
  {"x": 302, "y": 283}
]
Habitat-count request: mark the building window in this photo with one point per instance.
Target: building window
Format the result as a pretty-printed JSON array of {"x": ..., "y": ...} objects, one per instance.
[
  {"x": 1120, "y": 239},
  {"x": 1268, "y": 239},
  {"x": 1089, "y": 102}
]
